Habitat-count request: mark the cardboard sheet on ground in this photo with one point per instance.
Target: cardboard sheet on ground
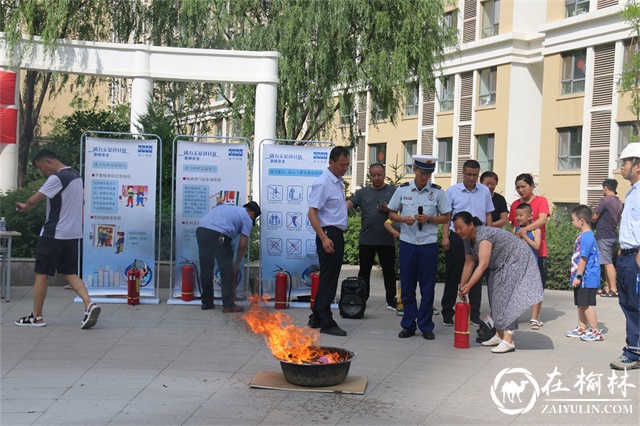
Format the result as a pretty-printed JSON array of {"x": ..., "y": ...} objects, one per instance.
[{"x": 275, "y": 380}]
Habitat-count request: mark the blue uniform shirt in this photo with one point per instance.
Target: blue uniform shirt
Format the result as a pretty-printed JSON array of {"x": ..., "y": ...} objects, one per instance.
[
  {"x": 477, "y": 201},
  {"x": 327, "y": 195},
  {"x": 228, "y": 220},
  {"x": 629, "y": 229},
  {"x": 405, "y": 202}
]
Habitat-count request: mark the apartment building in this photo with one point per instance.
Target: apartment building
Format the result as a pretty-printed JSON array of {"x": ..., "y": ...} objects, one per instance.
[{"x": 531, "y": 89}]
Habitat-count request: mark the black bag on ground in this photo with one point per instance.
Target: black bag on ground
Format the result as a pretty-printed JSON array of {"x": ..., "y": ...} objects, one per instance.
[{"x": 486, "y": 330}]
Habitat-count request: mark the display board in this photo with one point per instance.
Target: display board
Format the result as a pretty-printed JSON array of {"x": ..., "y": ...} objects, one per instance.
[
  {"x": 206, "y": 175},
  {"x": 120, "y": 181},
  {"x": 287, "y": 239}
]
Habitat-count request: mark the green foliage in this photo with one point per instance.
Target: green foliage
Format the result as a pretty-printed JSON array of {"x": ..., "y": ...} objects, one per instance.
[
  {"x": 560, "y": 238},
  {"x": 28, "y": 224},
  {"x": 628, "y": 82},
  {"x": 64, "y": 138},
  {"x": 351, "y": 236},
  {"x": 254, "y": 243}
]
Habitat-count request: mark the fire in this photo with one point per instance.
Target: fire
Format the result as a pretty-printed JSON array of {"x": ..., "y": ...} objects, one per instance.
[{"x": 286, "y": 341}]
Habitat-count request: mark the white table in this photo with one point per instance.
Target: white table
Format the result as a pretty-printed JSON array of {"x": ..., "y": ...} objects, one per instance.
[{"x": 5, "y": 251}]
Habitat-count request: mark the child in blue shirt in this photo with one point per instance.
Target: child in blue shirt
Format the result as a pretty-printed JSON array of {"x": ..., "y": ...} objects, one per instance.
[
  {"x": 585, "y": 276},
  {"x": 524, "y": 217}
]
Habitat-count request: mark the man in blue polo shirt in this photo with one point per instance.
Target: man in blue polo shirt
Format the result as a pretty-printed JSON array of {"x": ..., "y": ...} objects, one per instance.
[
  {"x": 475, "y": 198},
  {"x": 215, "y": 232},
  {"x": 629, "y": 259},
  {"x": 420, "y": 206}
]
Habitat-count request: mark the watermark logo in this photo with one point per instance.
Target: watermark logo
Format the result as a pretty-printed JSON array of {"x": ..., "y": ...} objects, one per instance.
[
  {"x": 511, "y": 384},
  {"x": 516, "y": 391}
]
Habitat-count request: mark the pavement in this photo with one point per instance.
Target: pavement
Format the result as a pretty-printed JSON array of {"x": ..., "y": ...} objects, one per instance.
[{"x": 175, "y": 364}]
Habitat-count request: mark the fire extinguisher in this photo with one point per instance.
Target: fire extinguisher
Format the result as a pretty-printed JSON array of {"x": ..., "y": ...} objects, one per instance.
[
  {"x": 461, "y": 326},
  {"x": 133, "y": 285},
  {"x": 315, "y": 283},
  {"x": 283, "y": 280},
  {"x": 188, "y": 271}
]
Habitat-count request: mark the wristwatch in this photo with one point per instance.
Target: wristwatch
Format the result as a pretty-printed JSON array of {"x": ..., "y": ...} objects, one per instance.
[
  {"x": 579, "y": 276},
  {"x": 429, "y": 220}
]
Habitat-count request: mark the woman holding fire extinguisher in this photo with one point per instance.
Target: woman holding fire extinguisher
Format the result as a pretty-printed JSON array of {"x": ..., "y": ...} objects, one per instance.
[{"x": 514, "y": 281}]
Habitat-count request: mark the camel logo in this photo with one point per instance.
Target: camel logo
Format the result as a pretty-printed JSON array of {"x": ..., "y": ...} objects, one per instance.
[{"x": 511, "y": 392}]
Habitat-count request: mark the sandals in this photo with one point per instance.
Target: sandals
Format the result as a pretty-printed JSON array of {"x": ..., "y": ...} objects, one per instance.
[
  {"x": 602, "y": 291},
  {"x": 30, "y": 321},
  {"x": 535, "y": 324},
  {"x": 610, "y": 293}
]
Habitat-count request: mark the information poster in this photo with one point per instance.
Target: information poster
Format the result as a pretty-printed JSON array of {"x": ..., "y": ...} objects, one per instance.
[
  {"x": 119, "y": 214},
  {"x": 207, "y": 175},
  {"x": 287, "y": 239}
]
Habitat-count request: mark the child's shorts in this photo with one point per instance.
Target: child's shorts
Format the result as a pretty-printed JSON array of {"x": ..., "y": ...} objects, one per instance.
[{"x": 585, "y": 296}]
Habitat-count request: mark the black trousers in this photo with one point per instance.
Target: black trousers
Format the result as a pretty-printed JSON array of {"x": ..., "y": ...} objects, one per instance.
[
  {"x": 211, "y": 249},
  {"x": 454, "y": 264},
  {"x": 330, "y": 266},
  {"x": 387, "y": 258}
]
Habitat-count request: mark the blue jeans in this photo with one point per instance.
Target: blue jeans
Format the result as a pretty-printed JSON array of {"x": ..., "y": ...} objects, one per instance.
[
  {"x": 418, "y": 264},
  {"x": 628, "y": 283}
]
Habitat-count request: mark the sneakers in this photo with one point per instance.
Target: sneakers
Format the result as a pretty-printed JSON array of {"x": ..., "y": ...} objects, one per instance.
[
  {"x": 504, "y": 347},
  {"x": 576, "y": 332},
  {"x": 436, "y": 312},
  {"x": 232, "y": 309},
  {"x": 592, "y": 335},
  {"x": 447, "y": 322},
  {"x": 494, "y": 341},
  {"x": 624, "y": 363},
  {"x": 391, "y": 308},
  {"x": 91, "y": 315},
  {"x": 30, "y": 321}
]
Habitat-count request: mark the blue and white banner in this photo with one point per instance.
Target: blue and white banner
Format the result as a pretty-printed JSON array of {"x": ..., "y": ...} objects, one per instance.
[
  {"x": 287, "y": 239},
  {"x": 207, "y": 175},
  {"x": 119, "y": 214}
]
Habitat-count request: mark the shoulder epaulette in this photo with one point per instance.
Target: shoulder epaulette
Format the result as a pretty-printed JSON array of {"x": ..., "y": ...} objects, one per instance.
[
  {"x": 404, "y": 184},
  {"x": 436, "y": 186}
]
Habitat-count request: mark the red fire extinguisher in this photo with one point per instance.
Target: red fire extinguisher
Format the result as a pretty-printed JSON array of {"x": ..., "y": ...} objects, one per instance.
[
  {"x": 461, "y": 326},
  {"x": 283, "y": 280},
  {"x": 188, "y": 271},
  {"x": 315, "y": 283},
  {"x": 133, "y": 285}
]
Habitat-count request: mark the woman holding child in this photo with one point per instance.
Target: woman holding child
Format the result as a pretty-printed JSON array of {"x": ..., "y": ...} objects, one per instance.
[
  {"x": 540, "y": 209},
  {"x": 514, "y": 281}
]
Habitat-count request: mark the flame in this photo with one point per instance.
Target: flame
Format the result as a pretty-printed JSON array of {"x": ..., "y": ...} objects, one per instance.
[{"x": 286, "y": 341}]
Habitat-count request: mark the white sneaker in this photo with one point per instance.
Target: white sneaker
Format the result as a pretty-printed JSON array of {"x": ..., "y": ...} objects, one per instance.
[
  {"x": 494, "y": 341},
  {"x": 504, "y": 347},
  {"x": 90, "y": 316}
]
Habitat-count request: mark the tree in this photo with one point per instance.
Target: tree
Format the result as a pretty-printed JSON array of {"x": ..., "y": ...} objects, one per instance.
[
  {"x": 629, "y": 81},
  {"x": 93, "y": 20},
  {"x": 331, "y": 50}
]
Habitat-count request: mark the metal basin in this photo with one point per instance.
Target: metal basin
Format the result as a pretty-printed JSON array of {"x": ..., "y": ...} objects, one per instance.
[{"x": 319, "y": 375}]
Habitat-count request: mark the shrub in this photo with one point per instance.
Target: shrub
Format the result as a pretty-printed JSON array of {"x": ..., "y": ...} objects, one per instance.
[
  {"x": 351, "y": 251},
  {"x": 28, "y": 224},
  {"x": 560, "y": 238}
]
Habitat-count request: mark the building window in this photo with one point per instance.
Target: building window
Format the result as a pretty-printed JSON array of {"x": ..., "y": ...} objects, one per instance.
[
  {"x": 490, "y": 18},
  {"x": 487, "y": 95},
  {"x": 627, "y": 132},
  {"x": 413, "y": 99},
  {"x": 573, "y": 71},
  {"x": 575, "y": 7},
  {"x": 409, "y": 151},
  {"x": 447, "y": 91},
  {"x": 377, "y": 113},
  {"x": 445, "y": 155},
  {"x": 349, "y": 171},
  {"x": 450, "y": 20},
  {"x": 217, "y": 128},
  {"x": 484, "y": 151},
  {"x": 569, "y": 148},
  {"x": 378, "y": 153},
  {"x": 346, "y": 117}
]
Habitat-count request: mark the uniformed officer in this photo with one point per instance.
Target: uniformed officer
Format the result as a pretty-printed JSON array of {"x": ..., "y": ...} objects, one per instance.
[
  {"x": 420, "y": 206},
  {"x": 628, "y": 264}
]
